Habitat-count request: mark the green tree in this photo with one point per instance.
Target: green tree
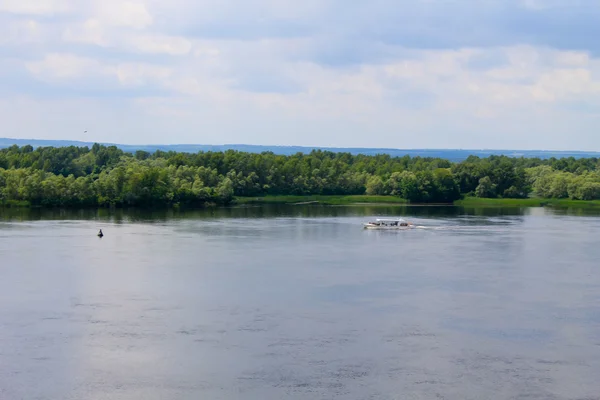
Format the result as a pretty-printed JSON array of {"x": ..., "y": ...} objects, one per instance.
[
  {"x": 375, "y": 186},
  {"x": 485, "y": 188},
  {"x": 447, "y": 189},
  {"x": 225, "y": 191}
]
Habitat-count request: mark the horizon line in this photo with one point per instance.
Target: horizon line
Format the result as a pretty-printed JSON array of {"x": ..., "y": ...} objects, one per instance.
[{"x": 298, "y": 146}]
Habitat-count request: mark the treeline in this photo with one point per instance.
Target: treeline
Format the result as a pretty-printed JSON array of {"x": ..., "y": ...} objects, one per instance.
[{"x": 107, "y": 176}]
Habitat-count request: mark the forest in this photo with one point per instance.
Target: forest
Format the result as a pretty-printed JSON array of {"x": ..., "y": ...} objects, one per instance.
[{"x": 108, "y": 177}]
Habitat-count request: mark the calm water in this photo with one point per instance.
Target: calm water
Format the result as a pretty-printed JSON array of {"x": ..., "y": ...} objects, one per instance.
[{"x": 300, "y": 303}]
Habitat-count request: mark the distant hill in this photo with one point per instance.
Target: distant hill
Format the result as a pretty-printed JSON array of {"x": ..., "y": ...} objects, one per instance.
[{"x": 449, "y": 154}]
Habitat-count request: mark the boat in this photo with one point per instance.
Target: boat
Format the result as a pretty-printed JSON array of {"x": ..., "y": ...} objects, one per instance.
[{"x": 388, "y": 224}]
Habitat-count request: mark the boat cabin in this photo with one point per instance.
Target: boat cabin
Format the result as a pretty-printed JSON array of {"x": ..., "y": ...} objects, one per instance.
[{"x": 389, "y": 222}]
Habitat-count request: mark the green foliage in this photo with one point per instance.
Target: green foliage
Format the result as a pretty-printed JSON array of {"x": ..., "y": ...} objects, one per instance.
[
  {"x": 486, "y": 188},
  {"x": 321, "y": 199},
  {"x": 107, "y": 176},
  {"x": 529, "y": 202},
  {"x": 549, "y": 183},
  {"x": 375, "y": 186},
  {"x": 446, "y": 187}
]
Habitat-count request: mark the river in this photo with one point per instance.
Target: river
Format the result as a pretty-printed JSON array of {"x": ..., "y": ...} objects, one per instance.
[{"x": 285, "y": 302}]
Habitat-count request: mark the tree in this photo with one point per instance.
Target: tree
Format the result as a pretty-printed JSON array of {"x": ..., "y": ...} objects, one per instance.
[
  {"x": 141, "y": 155},
  {"x": 409, "y": 187},
  {"x": 225, "y": 191},
  {"x": 589, "y": 191},
  {"x": 107, "y": 176},
  {"x": 447, "y": 189},
  {"x": 485, "y": 188},
  {"x": 426, "y": 189},
  {"x": 512, "y": 193},
  {"x": 468, "y": 175},
  {"x": 375, "y": 186}
]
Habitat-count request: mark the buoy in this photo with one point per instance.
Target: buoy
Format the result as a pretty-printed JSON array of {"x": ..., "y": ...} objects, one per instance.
[{"x": 100, "y": 234}]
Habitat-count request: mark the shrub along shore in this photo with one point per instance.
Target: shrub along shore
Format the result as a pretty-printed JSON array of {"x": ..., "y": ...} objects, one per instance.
[
  {"x": 391, "y": 200},
  {"x": 103, "y": 176}
]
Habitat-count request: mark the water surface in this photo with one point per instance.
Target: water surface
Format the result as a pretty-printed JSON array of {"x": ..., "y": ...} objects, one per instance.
[{"x": 300, "y": 303}]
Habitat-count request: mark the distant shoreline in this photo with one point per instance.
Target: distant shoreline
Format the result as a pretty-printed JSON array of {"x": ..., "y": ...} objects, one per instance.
[
  {"x": 454, "y": 155},
  {"x": 357, "y": 200}
]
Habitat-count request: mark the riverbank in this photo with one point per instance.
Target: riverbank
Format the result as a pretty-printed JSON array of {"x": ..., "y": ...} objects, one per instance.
[
  {"x": 15, "y": 204},
  {"x": 321, "y": 199},
  {"x": 529, "y": 202},
  {"x": 358, "y": 200},
  {"x": 466, "y": 202}
]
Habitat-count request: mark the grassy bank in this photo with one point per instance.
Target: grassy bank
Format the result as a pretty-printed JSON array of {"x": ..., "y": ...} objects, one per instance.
[
  {"x": 530, "y": 202},
  {"x": 327, "y": 200},
  {"x": 384, "y": 200},
  {"x": 466, "y": 202},
  {"x": 14, "y": 203}
]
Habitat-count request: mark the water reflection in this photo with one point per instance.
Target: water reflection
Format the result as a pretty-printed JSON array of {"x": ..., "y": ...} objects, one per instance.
[
  {"x": 281, "y": 210},
  {"x": 261, "y": 211},
  {"x": 299, "y": 302}
]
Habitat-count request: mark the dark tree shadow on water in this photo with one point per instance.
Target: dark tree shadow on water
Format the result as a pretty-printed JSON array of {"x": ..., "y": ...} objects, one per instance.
[{"x": 121, "y": 215}]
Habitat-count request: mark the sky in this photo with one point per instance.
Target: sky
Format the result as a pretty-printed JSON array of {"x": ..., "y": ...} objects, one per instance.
[{"x": 494, "y": 74}]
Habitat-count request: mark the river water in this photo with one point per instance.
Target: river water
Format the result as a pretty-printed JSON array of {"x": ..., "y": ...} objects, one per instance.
[{"x": 300, "y": 303}]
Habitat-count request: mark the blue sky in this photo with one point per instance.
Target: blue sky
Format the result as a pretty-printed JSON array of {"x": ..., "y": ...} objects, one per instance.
[{"x": 408, "y": 74}]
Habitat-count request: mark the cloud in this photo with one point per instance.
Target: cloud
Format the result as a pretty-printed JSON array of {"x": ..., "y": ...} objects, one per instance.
[
  {"x": 132, "y": 14},
  {"x": 85, "y": 77},
  {"x": 21, "y": 32},
  {"x": 37, "y": 7},
  {"x": 65, "y": 66},
  {"x": 141, "y": 74},
  {"x": 92, "y": 32},
  {"x": 418, "y": 73}
]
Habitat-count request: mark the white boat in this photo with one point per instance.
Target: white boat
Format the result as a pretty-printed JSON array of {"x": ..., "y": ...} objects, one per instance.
[{"x": 383, "y": 223}]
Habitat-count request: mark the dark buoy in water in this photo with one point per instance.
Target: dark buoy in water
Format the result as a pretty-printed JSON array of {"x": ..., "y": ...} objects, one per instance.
[{"x": 100, "y": 234}]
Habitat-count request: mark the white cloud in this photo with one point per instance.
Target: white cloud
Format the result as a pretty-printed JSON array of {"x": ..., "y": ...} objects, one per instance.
[
  {"x": 21, "y": 32},
  {"x": 68, "y": 68},
  {"x": 93, "y": 32},
  {"x": 57, "y": 66},
  {"x": 141, "y": 74},
  {"x": 35, "y": 7},
  {"x": 566, "y": 84},
  {"x": 296, "y": 73},
  {"x": 123, "y": 25},
  {"x": 572, "y": 58},
  {"x": 159, "y": 44},
  {"x": 133, "y": 14}
]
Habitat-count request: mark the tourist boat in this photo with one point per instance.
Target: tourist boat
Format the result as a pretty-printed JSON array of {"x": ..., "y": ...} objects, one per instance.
[{"x": 382, "y": 223}]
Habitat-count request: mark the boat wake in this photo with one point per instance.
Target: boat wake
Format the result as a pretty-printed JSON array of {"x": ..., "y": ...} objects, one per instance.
[
  {"x": 455, "y": 228},
  {"x": 478, "y": 226},
  {"x": 463, "y": 228}
]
